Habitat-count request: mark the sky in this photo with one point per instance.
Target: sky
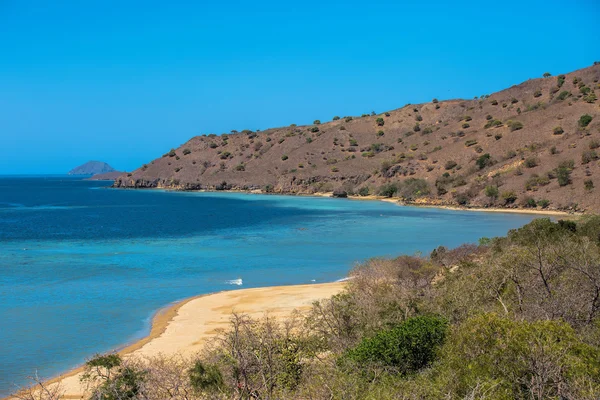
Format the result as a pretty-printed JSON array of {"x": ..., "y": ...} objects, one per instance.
[{"x": 125, "y": 81}]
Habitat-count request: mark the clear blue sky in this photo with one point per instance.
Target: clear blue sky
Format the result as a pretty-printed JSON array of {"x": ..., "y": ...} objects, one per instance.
[{"x": 125, "y": 81}]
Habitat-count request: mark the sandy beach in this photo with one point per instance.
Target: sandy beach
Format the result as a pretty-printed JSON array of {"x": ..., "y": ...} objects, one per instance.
[{"x": 184, "y": 327}]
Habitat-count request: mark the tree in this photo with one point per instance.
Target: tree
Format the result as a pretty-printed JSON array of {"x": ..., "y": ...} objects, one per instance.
[{"x": 547, "y": 74}]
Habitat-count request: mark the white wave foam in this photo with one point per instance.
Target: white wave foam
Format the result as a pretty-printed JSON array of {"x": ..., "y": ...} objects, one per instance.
[{"x": 237, "y": 281}]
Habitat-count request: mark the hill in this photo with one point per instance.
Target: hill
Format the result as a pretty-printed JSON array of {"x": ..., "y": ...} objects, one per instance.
[
  {"x": 532, "y": 145},
  {"x": 92, "y": 168}
]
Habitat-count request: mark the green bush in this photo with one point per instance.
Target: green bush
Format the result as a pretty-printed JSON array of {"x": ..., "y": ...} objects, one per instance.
[
  {"x": 588, "y": 184},
  {"x": 563, "y": 95},
  {"x": 465, "y": 125},
  {"x": 558, "y": 130},
  {"x": 493, "y": 123},
  {"x": 531, "y": 162},
  {"x": 543, "y": 203},
  {"x": 563, "y": 175},
  {"x": 380, "y": 133},
  {"x": 380, "y": 121},
  {"x": 514, "y": 125},
  {"x": 491, "y": 191},
  {"x": 585, "y": 120},
  {"x": 317, "y": 122},
  {"x": 450, "y": 164},
  {"x": 284, "y": 157},
  {"x": 509, "y": 197},
  {"x": 205, "y": 378},
  {"x": 409, "y": 347},
  {"x": 483, "y": 161},
  {"x": 470, "y": 143},
  {"x": 387, "y": 190},
  {"x": 363, "y": 191},
  {"x": 336, "y": 118},
  {"x": 314, "y": 129},
  {"x": 588, "y": 156},
  {"x": 560, "y": 80}
]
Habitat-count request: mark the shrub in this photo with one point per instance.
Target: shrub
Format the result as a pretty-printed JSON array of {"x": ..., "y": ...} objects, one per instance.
[
  {"x": 585, "y": 120},
  {"x": 348, "y": 119},
  {"x": 515, "y": 125},
  {"x": 529, "y": 202},
  {"x": 309, "y": 140},
  {"x": 494, "y": 102},
  {"x": 353, "y": 142},
  {"x": 363, "y": 191},
  {"x": 563, "y": 175},
  {"x": 489, "y": 117},
  {"x": 450, "y": 164},
  {"x": 186, "y": 151},
  {"x": 380, "y": 121},
  {"x": 547, "y": 75},
  {"x": 594, "y": 144},
  {"x": 588, "y": 156},
  {"x": 317, "y": 122},
  {"x": 225, "y": 155},
  {"x": 416, "y": 128},
  {"x": 434, "y": 101},
  {"x": 513, "y": 101},
  {"x": 205, "y": 378},
  {"x": 387, "y": 190},
  {"x": 465, "y": 125},
  {"x": 413, "y": 188},
  {"x": 588, "y": 184},
  {"x": 543, "y": 203},
  {"x": 336, "y": 118},
  {"x": 491, "y": 192},
  {"x": 470, "y": 143},
  {"x": 537, "y": 93},
  {"x": 172, "y": 153},
  {"x": 558, "y": 130},
  {"x": 419, "y": 118},
  {"x": 483, "y": 161},
  {"x": 560, "y": 80},
  {"x": 509, "y": 197},
  {"x": 531, "y": 162},
  {"x": 240, "y": 167},
  {"x": 408, "y": 347},
  {"x": 380, "y": 133},
  {"x": 284, "y": 157},
  {"x": 314, "y": 129},
  {"x": 493, "y": 123},
  {"x": 563, "y": 95}
]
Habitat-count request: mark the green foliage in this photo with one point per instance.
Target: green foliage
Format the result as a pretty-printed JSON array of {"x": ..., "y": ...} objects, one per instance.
[
  {"x": 314, "y": 129},
  {"x": 449, "y": 164},
  {"x": 584, "y": 120},
  {"x": 205, "y": 378},
  {"x": 316, "y": 122},
  {"x": 588, "y": 184},
  {"x": 531, "y": 162},
  {"x": 588, "y": 156},
  {"x": 408, "y": 347},
  {"x": 336, "y": 118},
  {"x": 493, "y": 123},
  {"x": 470, "y": 143},
  {"x": 543, "y": 203},
  {"x": 484, "y": 161},
  {"x": 363, "y": 191},
  {"x": 491, "y": 192},
  {"x": 547, "y": 75},
  {"x": 284, "y": 157},
  {"x": 514, "y": 125},
  {"x": 387, "y": 190},
  {"x": 172, "y": 153},
  {"x": 380, "y": 121},
  {"x": 380, "y": 133},
  {"x": 558, "y": 130},
  {"x": 560, "y": 80},
  {"x": 509, "y": 197}
]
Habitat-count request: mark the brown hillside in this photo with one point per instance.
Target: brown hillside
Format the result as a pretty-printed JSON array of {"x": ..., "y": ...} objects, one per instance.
[{"x": 537, "y": 149}]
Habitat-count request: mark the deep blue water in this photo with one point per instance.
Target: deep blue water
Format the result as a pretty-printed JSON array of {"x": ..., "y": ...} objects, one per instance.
[{"x": 83, "y": 267}]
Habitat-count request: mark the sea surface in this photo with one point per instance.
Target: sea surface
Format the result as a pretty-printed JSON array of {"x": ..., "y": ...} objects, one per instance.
[{"x": 83, "y": 267}]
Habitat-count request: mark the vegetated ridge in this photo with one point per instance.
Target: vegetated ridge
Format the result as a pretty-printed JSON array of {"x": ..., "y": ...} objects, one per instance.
[
  {"x": 92, "y": 168},
  {"x": 533, "y": 145}
]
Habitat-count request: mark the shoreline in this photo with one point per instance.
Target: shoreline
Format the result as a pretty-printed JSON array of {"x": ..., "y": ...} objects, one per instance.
[
  {"x": 182, "y": 327},
  {"x": 396, "y": 201}
]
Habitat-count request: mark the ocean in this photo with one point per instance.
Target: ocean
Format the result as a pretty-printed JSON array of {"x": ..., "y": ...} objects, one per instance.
[{"x": 83, "y": 267}]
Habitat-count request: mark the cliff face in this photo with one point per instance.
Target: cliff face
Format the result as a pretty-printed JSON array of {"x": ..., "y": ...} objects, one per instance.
[
  {"x": 92, "y": 168},
  {"x": 530, "y": 145}
]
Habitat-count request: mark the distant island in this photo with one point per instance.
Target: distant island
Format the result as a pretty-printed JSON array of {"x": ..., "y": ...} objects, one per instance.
[{"x": 92, "y": 168}]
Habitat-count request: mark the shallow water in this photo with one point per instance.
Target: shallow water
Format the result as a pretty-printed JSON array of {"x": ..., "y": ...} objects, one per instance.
[{"x": 83, "y": 267}]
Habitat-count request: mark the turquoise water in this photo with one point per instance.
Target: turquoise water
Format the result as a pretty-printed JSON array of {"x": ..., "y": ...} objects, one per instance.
[{"x": 83, "y": 267}]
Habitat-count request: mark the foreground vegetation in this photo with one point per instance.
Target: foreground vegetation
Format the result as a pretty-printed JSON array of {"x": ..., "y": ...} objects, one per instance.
[{"x": 515, "y": 317}]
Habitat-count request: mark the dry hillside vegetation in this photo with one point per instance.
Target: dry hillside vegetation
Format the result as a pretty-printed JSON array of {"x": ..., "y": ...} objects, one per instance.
[{"x": 533, "y": 145}]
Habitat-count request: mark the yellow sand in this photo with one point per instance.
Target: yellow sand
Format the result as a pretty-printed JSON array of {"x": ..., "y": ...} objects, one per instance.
[{"x": 186, "y": 326}]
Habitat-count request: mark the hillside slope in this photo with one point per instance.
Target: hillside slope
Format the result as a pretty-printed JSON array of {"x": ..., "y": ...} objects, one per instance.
[{"x": 526, "y": 146}]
